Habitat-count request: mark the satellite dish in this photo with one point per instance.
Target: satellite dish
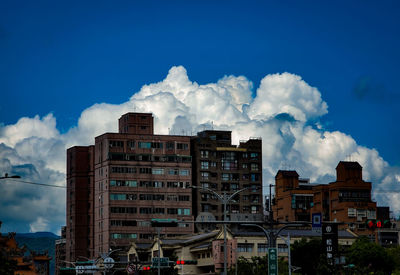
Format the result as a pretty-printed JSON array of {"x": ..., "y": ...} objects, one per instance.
[{"x": 205, "y": 217}]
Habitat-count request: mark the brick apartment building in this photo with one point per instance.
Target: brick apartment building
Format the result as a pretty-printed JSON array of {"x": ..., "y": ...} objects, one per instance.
[
  {"x": 80, "y": 197},
  {"x": 116, "y": 186},
  {"x": 122, "y": 182},
  {"x": 347, "y": 200},
  {"x": 223, "y": 167}
]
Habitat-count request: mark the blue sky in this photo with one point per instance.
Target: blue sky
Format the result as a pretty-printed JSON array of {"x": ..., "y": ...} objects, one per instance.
[{"x": 62, "y": 57}]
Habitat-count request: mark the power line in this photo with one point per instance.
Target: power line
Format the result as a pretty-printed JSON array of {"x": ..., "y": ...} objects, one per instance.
[{"x": 37, "y": 183}]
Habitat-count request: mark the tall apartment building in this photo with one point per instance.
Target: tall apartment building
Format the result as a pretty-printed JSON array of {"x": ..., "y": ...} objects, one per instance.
[
  {"x": 225, "y": 169},
  {"x": 80, "y": 196},
  {"x": 347, "y": 200},
  {"x": 137, "y": 176}
]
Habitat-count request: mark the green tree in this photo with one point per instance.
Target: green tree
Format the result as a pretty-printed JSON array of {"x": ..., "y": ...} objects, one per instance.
[
  {"x": 369, "y": 258},
  {"x": 306, "y": 254},
  {"x": 7, "y": 266},
  {"x": 253, "y": 266},
  {"x": 394, "y": 253}
]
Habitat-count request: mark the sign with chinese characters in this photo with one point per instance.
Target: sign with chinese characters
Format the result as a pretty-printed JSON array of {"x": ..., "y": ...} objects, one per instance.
[
  {"x": 330, "y": 241},
  {"x": 272, "y": 261}
]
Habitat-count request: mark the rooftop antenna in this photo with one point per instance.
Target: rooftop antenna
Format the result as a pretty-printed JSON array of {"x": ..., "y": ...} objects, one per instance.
[{"x": 212, "y": 125}]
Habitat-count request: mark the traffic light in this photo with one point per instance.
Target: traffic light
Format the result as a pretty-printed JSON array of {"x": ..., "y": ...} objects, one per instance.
[
  {"x": 387, "y": 224},
  {"x": 372, "y": 224},
  {"x": 146, "y": 268},
  {"x": 186, "y": 262}
]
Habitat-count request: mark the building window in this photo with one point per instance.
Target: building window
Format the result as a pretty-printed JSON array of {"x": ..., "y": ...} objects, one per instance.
[
  {"x": 205, "y": 185},
  {"x": 123, "y": 223},
  {"x": 184, "y": 172},
  {"x": 245, "y": 247},
  {"x": 144, "y": 170},
  {"x": 184, "y": 211},
  {"x": 144, "y": 145},
  {"x": 123, "y": 236},
  {"x": 254, "y": 177},
  {"x": 157, "y": 145},
  {"x": 173, "y": 171},
  {"x": 283, "y": 248},
  {"x": 144, "y": 223},
  {"x": 351, "y": 212},
  {"x": 203, "y": 154},
  {"x": 254, "y": 155},
  {"x": 158, "y": 171},
  {"x": 182, "y": 146},
  {"x": 184, "y": 198},
  {"x": 254, "y": 166},
  {"x": 123, "y": 210},
  {"x": 119, "y": 197},
  {"x": 172, "y": 198},
  {"x": 116, "y": 143},
  {"x": 302, "y": 201},
  {"x": 123, "y": 169},
  {"x": 204, "y": 165},
  {"x": 131, "y": 144},
  {"x": 158, "y": 184},
  {"x": 172, "y": 211},
  {"x": 254, "y": 209},
  {"x": 204, "y": 175},
  {"x": 129, "y": 183},
  {"x": 371, "y": 214},
  {"x": 262, "y": 248},
  {"x": 170, "y": 145}
]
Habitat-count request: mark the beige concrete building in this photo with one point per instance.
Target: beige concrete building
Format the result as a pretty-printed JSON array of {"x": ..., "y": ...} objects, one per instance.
[{"x": 207, "y": 248}]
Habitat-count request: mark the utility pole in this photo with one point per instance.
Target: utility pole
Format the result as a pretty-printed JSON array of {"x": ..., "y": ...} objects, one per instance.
[{"x": 225, "y": 198}]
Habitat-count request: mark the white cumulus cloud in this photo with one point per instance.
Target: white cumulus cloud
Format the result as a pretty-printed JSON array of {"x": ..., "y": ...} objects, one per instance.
[{"x": 284, "y": 112}]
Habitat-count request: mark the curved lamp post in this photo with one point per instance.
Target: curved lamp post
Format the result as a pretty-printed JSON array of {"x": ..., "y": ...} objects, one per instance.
[{"x": 224, "y": 198}]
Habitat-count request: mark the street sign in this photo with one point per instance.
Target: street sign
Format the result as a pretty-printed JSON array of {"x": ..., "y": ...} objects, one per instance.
[
  {"x": 131, "y": 268},
  {"x": 108, "y": 263},
  {"x": 330, "y": 241},
  {"x": 316, "y": 222},
  {"x": 79, "y": 269},
  {"x": 164, "y": 262},
  {"x": 272, "y": 261}
]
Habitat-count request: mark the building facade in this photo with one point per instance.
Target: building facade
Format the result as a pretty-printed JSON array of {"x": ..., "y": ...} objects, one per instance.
[
  {"x": 225, "y": 168},
  {"x": 347, "y": 200},
  {"x": 117, "y": 186},
  {"x": 80, "y": 198}
]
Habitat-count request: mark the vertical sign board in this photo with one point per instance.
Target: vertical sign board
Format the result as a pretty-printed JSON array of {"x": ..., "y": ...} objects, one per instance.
[
  {"x": 330, "y": 241},
  {"x": 316, "y": 222},
  {"x": 272, "y": 261}
]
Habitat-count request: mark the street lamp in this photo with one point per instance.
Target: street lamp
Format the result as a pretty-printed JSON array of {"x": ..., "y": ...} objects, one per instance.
[{"x": 224, "y": 198}]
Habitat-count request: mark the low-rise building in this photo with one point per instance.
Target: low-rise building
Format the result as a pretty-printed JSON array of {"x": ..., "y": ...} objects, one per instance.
[{"x": 346, "y": 201}]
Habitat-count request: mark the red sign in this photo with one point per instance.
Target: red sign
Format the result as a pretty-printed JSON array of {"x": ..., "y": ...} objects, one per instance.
[{"x": 131, "y": 268}]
